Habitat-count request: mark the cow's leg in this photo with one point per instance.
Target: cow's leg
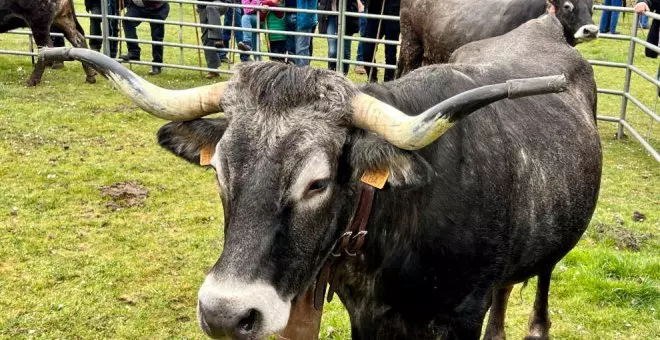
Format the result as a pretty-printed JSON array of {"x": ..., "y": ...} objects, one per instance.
[
  {"x": 41, "y": 36},
  {"x": 539, "y": 321},
  {"x": 75, "y": 34},
  {"x": 495, "y": 327}
]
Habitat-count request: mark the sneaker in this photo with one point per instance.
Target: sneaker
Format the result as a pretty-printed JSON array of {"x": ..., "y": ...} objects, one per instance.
[
  {"x": 155, "y": 70},
  {"x": 212, "y": 75},
  {"x": 360, "y": 69},
  {"x": 128, "y": 56},
  {"x": 243, "y": 46}
]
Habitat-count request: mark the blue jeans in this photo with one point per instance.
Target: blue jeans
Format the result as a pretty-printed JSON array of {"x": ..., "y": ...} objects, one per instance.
[
  {"x": 609, "y": 19},
  {"x": 644, "y": 21},
  {"x": 291, "y": 24},
  {"x": 332, "y": 46},
  {"x": 363, "y": 32},
  {"x": 233, "y": 14},
  {"x": 302, "y": 47},
  {"x": 250, "y": 21}
]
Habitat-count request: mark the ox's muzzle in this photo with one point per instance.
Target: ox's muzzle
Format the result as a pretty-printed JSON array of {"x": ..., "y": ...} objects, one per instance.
[
  {"x": 586, "y": 33},
  {"x": 240, "y": 310}
]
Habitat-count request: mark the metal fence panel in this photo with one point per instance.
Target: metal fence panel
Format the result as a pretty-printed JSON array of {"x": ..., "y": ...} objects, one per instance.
[{"x": 628, "y": 66}]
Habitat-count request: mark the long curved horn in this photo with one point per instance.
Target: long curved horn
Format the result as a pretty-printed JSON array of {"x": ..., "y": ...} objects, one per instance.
[
  {"x": 416, "y": 132},
  {"x": 177, "y": 105}
]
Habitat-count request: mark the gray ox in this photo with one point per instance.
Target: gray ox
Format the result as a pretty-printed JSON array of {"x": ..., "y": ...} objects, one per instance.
[
  {"x": 39, "y": 15},
  {"x": 432, "y": 29},
  {"x": 466, "y": 212}
]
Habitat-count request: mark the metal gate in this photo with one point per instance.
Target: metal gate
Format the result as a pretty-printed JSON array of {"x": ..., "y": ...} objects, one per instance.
[{"x": 342, "y": 15}]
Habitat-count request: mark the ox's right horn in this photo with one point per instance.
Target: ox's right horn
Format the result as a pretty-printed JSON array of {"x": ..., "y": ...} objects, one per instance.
[
  {"x": 176, "y": 105},
  {"x": 416, "y": 132}
]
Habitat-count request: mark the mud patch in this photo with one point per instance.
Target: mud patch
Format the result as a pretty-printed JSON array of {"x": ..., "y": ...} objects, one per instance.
[
  {"x": 125, "y": 195},
  {"x": 623, "y": 237}
]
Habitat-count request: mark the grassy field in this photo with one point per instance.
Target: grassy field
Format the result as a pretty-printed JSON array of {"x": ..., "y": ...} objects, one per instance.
[{"x": 77, "y": 262}]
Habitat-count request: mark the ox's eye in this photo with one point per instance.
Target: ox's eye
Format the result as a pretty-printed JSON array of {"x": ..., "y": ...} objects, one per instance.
[
  {"x": 316, "y": 187},
  {"x": 568, "y": 6}
]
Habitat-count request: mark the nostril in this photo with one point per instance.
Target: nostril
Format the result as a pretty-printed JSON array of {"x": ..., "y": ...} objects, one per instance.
[{"x": 247, "y": 323}]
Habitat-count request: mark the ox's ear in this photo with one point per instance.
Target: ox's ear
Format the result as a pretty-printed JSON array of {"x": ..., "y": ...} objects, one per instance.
[
  {"x": 369, "y": 151},
  {"x": 186, "y": 139}
]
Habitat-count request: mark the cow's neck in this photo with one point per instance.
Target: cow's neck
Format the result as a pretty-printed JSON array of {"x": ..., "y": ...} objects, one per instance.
[{"x": 396, "y": 242}]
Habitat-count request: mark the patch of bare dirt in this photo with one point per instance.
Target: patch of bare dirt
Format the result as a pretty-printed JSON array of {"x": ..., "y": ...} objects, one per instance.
[
  {"x": 623, "y": 237},
  {"x": 125, "y": 195}
]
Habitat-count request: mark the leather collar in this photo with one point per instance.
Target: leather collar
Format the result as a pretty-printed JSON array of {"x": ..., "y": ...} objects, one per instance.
[{"x": 349, "y": 244}]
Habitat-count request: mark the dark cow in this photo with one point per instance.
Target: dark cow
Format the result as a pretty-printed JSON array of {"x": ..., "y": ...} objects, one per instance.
[
  {"x": 39, "y": 15},
  {"x": 432, "y": 29},
  {"x": 466, "y": 211}
]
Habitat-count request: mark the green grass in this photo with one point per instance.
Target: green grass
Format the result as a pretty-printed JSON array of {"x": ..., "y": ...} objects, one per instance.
[{"x": 72, "y": 266}]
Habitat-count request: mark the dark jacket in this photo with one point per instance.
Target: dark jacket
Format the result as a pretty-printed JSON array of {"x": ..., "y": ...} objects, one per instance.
[{"x": 654, "y": 31}]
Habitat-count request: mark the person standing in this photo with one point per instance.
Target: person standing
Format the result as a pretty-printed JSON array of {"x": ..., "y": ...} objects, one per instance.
[
  {"x": 305, "y": 23},
  {"x": 653, "y": 37},
  {"x": 211, "y": 37},
  {"x": 95, "y": 25},
  {"x": 291, "y": 26},
  {"x": 376, "y": 29},
  {"x": 249, "y": 21},
  {"x": 232, "y": 19},
  {"x": 359, "y": 69},
  {"x": 351, "y": 26},
  {"x": 275, "y": 21},
  {"x": 157, "y": 10},
  {"x": 609, "y": 19}
]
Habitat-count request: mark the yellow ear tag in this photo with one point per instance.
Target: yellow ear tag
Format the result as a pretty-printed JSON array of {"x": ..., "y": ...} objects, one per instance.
[
  {"x": 376, "y": 178},
  {"x": 206, "y": 154}
]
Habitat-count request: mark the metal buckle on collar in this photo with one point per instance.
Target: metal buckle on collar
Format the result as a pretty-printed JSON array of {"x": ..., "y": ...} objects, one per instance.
[{"x": 355, "y": 243}]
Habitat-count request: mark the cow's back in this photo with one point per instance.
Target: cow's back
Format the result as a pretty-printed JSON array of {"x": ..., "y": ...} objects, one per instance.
[{"x": 444, "y": 26}]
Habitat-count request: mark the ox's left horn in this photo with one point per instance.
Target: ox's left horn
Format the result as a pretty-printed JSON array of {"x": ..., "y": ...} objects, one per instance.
[
  {"x": 416, "y": 132},
  {"x": 177, "y": 105}
]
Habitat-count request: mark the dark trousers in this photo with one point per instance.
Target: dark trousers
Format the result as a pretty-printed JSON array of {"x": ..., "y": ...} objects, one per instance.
[
  {"x": 278, "y": 46},
  {"x": 157, "y": 30},
  {"x": 57, "y": 41},
  {"x": 232, "y": 19},
  {"x": 390, "y": 30},
  {"x": 96, "y": 27}
]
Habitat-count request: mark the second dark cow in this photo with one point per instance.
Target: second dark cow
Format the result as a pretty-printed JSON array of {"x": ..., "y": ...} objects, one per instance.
[
  {"x": 40, "y": 15},
  {"x": 431, "y": 30}
]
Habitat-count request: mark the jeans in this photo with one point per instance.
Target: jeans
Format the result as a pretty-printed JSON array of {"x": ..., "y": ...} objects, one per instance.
[
  {"x": 390, "y": 30},
  {"x": 96, "y": 27},
  {"x": 363, "y": 32},
  {"x": 609, "y": 19},
  {"x": 332, "y": 46},
  {"x": 303, "y": 47},
  {"x": 157, "y": 30},
  {"x": 291, "y": 26},
  {"x": 644, "y": 21},
  {"x": 232, "y": 19},
  {"x": 250, "y": 21}
]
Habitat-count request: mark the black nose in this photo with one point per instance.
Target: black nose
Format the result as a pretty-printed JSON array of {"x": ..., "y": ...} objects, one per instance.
[
  {"x": 590, "y": 30},
  {"x": 216, "y": 324}
]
